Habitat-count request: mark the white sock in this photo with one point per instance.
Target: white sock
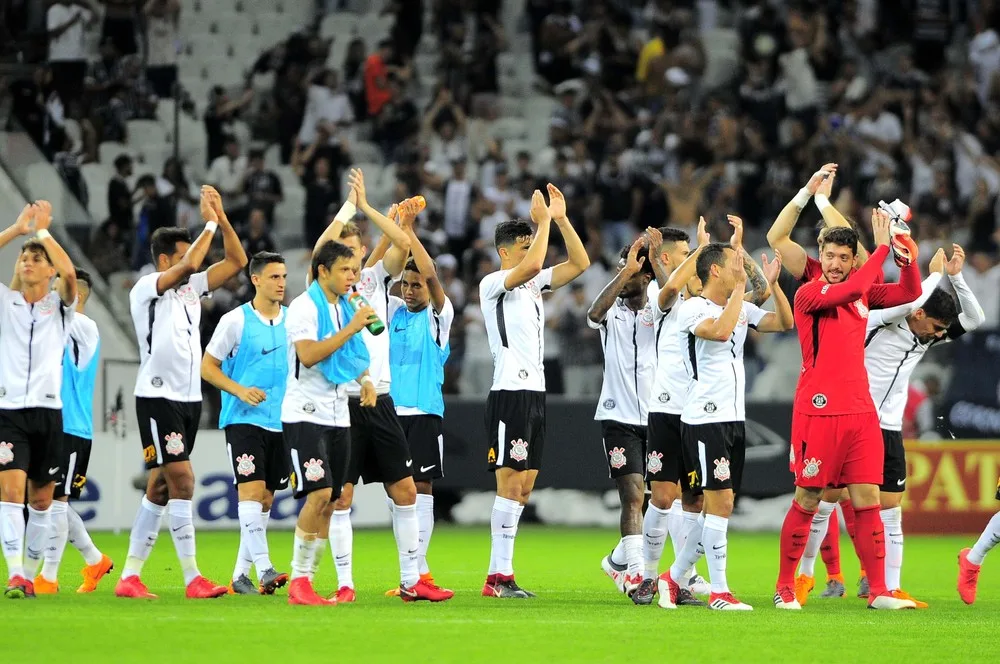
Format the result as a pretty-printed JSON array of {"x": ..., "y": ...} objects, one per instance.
[
  {"x": 425, "y": 522},
  {"x": 179, "y": 517},
  {"x": 716, "y": 547},
  {"x": 892, "y": 521},
  {"x": 633, "y": 554},
  {"x": 243, "y": 560},
  {"x": 675, "y": 526},
  {"x": 817, "y": 532},
  {"x": 691, "y": 552},
  {"x": 145, "y": 530},
  {"x": 58, "y": 534},
  {"x": 989, "y": 539},
  {"x": 80, "y": 538},
  {"x": 689, "y": 522},
  {"x": 36, "y": 539},
  {"x": 252, "y": 532},
  {"x": 407, "y": 543},
  {"x": 342, "y": 545},
  {"x": 654, "y": 535},
  {"x": 503, "y": 527},
  {"x": 12, "y": 534},
  {"x": 303, "y": 553},
  {"x": 317, "y": 556},
  {"x": 265, "y": 517},
  {"x": 618, "y": 553}
]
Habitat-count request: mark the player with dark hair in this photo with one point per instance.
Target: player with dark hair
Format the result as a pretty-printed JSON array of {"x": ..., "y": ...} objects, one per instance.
[
  {"x": 836, "y": 439},
  {"x": 713, "y": 327},
  {"x": 624, "y": 316},
  {"x": 325, "y": 352},
  {"x": 166, "y": 312},
  {"x": 80, "y": 362},
  {"x": 511, "y": 301},
  {"x": 247, "y": 360},
  {"x": 35, "y": 324}
]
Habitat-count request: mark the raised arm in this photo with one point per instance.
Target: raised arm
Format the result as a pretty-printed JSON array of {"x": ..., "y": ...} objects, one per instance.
[
  {"x": 395, "y": 256},
  {"x": 760, "y": 289},
  {"x": 819, "y": 295},
  {"x": 598, "y": 311},
  {"x": 971, "y": 315},
  {"x": 60, "y": 259},
  {"x": 782, "y": 318},
  {"x": 779, "y": 237},
  {"x": 683, "y": 273},
  {"x": 577, "y": 260},
  {"x": 891, "y": 295},
  {"x": 235, "y": 258},
  {"x": 196, "y": 253},
  {"x": 383, "y": 244},
  {"x": 425, "y": 264},
  {"x": 721, "y": 328},
  {"x": 23, "y": 225},
  {"x": 534, "y": 259},
  {"x": 897, "y": 314},
  {"x": 332, "y": 232},
  {"x": 832, "y": 217}
]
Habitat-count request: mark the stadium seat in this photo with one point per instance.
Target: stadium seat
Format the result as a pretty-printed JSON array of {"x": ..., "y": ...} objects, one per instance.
[
  {"x": 97, "y": 177},
  {"x": 109, "y": 150},
  {"x": 140, "y": 131},
  {"x": 509, "y": 128}
]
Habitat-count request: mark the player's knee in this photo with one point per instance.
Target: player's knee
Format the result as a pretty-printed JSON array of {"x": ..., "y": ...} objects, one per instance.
[
  {"x": 424, "y": 488},
  {"x": 663, "y": 494},
  {"x": 266, "y": 501},
  {"x": 630, "y": 493},
  {"x": 403, "y": 492},
  {"x": 891, "y": 500},
  {"x": 157, "y": 493},
  {"x": 40, "y": 502},
  {"x": 808, "y": 499},
  {"x": 692, "y": 502},
  {"x": 254, "y": 491},
  {"x": 180, "y": 482},
  {"x": 346, "y": 498},
  {"x": 317, "y": 501}
]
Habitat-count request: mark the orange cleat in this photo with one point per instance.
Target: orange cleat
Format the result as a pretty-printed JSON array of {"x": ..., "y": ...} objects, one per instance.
[
  {"x": 902, "y": 594},
  {"x": 92, "y": 574},
  {"x": 803, "y": 586},
  {"x": 344, "y": 595},
  {"x": 202, "y": 588},
  {"x": 428, "y": 577},
  {"x": 424, "y": 590},
  {"x": 968, "y": 577},
  {"x": 45, "y": 587},
  {"x": 301, "y": 593},
  {"x": 19, "y": 588},
  {"x": 133, "y": 588}
]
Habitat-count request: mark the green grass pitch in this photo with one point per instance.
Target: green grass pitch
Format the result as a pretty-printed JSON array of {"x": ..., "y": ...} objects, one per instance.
[{"x": 577, "y": 616}]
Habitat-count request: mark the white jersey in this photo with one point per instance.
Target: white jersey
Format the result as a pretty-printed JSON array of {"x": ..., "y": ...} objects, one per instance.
[
  {"x": 670, "y": 383},
  {"x": 717, "y": 382},
  {"x": 515, "y": 324},
  {"x": 374, "y": 285},
  {"x": 83, "y": 340},
  {"x": 32, "y": 341},
  {"x": 309, "y": 396},
  {"x": 168, "y": 328},
  {"x": 628, "y": 339},
  {"x": 440, "y": 327}
]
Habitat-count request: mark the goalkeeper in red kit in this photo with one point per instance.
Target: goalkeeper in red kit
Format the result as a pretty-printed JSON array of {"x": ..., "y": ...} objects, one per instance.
[{"x": 836, "y": 440}]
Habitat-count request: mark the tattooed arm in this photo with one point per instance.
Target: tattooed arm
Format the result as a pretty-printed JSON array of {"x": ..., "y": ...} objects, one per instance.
[{"x": 760, "y": 290}]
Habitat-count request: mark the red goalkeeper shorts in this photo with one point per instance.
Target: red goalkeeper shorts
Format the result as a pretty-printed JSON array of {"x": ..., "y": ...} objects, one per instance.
[{"x": 836, "y": 450}]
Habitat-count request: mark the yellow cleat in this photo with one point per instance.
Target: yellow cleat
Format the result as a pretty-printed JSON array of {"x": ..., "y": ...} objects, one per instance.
[
  {"x": 423, "y": 577},
  {"x": 898, "y": 594},
  {"x": 92, "y": 574},
  {"x": 803, "y": 586},
  {"x": 45, "y": 587}
]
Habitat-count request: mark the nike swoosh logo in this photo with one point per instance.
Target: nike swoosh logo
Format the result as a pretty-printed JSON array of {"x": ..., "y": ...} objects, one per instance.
[
  {"x": 900, "y": 482},
  {"x": 176, "y": 529},
  {"x": 412, "y": 551},
  {"x": 283, "y": 480},
  {"x": 398, "y": 329},
  {"x": 424, "y": 469},
  {"x": 10, "y": 543},
  {"x": 505, "y": 526},
  {"x": 53, "y": 471},
  {"x": 265, "y": 352},
  {"x": 716, "y": 548},
  {"x": 245, "y": 525},
  {"x": 346, "y": 555},
  {"x": 409, "y": 463}
]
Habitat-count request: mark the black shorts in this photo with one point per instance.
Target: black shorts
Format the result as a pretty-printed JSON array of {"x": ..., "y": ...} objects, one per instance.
[
  {"x": 379, "y": 452},
  {"x": 318, "y": 456},
  {"x": 167, "y": 429},
  {"x": 257, "y": 455},
  {"x": 894, "y": 466},
  {"x": 31, "y": 439},
  {"x": 515, "y": 427},
  {"x": 425, "y": 438},
  {"x": 624, "y": 448},
  {"x": 665, "y": 451},
  {"x": 76, "y": 461},
  {"x": 716, "y": 453}
]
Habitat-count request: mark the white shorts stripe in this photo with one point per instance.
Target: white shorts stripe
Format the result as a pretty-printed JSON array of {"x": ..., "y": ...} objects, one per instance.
[
  {"x": 441, "y": 451},
  {"x": 297, "y": 468},
  {"x": 70, "y": 473},
  {"x": 703, "y": 463},
  {"x": 501, "y": 436},
  {"x": 229, "y": 450},
  {"x": 155, "y": 431}
]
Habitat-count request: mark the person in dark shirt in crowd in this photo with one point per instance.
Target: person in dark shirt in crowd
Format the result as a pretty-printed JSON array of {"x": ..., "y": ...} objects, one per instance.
[{"x": 262, "y": 187}]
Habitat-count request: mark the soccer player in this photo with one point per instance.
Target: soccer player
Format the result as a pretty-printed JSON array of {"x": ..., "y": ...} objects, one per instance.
[
  {"x": 166, "y": 312},
  {"x": 713, "y": 327},
  {"x": 419, "y": 332},
  {"x": 624, "y": 315},
  {"x": 80, "y": 362},
  {"x": 35, "y": 323},
  {"x": 896, "y": 340},
  {"x": 325, "y": 352},
  {"x": 835, "y": 433},
  {"x": 511, "y": 301},
  {"x": 247, "y": 360}
]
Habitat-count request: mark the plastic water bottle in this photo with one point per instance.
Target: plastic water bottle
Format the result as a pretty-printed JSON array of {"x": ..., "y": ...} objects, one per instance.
[{"x": 358, "y": 300}]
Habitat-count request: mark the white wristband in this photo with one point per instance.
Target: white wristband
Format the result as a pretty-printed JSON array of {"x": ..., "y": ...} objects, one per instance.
[
  {"x": 822, "y": 202},
  {"x": 211, "y": 227},
  {"x": 802, "y": 198},
  {"x": 367, "y": 380},
  {"x": 43, "y": 234},
  {"x": 346, "y": 212}
]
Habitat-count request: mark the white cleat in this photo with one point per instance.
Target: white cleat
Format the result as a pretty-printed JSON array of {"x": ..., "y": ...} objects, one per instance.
[
  {"x": 616, "y": 573},
  {"x": 785, "y": 599},
  {"x": 726, "y": 602},
  {"x": 697, "y": 585},
  {"x": 667, "y": 591},
  {"x": 890, "y": 603},
  {"x": 630, "y": 583}
]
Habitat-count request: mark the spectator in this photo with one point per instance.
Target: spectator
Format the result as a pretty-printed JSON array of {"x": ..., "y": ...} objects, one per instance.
[
  {"x": 255, "y": 235},
  {"x": 162, "y": 35},
  {"x": 290, "y": 103},
  {"x": 262, "y": 187},
  {"x": 322, "y": 199},
  {"x": 408, "y": 25},
  {"x": 109, "y": 251},
  {"x": 120, "y": 21},
  {"x": 984, "y": 280},
  {"x": 120, "y": 194},
  {"x": 581, "y": 344},
  {"x": 220, "y": 112},
  {"x": 155, "y": 212},
  {"x": 328, "y": 106},
  {"x": 29, "y": 104},
  {"x": 458, "y": 195},
  {"x": 103, "y": 75},
  {"x": 378, "y": 92},
  {"x": 65, "y": 22},
  {"x": 443, "y": 129},
  {"x": 227, "y": 174},
  {"x": 354, "y": 78},
  {"x": 184, "y": 195},
  {"x": 139, "y": 98},
  {"x": 67, "y": 162},
  {"x": 398, "y": 121}
]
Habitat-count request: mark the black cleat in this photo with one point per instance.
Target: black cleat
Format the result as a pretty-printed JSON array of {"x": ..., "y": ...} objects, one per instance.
[
  {"x": 271, "y": 580},
  {"x": 242, "y": 586},
  {"x": 644, "y": 594},
  {"x": 685, "y": 598},
  {"x": 527, "y": 593}
]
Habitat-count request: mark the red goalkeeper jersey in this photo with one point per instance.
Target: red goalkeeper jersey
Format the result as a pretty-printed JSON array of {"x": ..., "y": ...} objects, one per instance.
[{"x": 830, "y": 319}]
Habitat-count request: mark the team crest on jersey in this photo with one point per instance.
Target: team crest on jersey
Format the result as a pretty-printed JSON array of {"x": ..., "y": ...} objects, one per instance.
[
  {"x": 609, "y": 404},
  {"x": 314, "y": 470},
  {"x": 862, "y": 309},
  {"x": 743, "y": 318},
  {"x": 367, "y": 285},
  {"x": 710, "y": 408},
  {"x": 156, "y": 381},
  {"x": 309, "y": 407},
  {"x": 533, "y": 287},
  {"x": 819, "y": 400},
  {"x": 810, "y": 467},
  {"x": 646, "y": 316},
  {"x": 188, "y": 296},
  {"x": 6, "y": 453},
  {"x": 721, "y": 471},
  {"x": 617, "y": 457},
  {"x": 518, "y": 450},
  {"x": 654, "y": 462},
  {"x": 522, "y": 374},
  {"x": 45, "y": 306},
  {"x": 245, "y": 465},
  {"x": 663, "y": 398},
  {"x": 174, "y": 443}
]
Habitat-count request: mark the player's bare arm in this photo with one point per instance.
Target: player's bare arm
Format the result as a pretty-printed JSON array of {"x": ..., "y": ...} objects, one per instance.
[
  {"x": 311, "y": 353},
  {"x": 395, "y": 256},
  {"x": 211, "y": 372},
  {"x": 721, "y": 328},
  {"x": 332, "y": 232},
  {"x": 195, "y": 255},
  {"x": 782, "y": 319},
  {"x": 832, "y": 217},
  {"x": 66, "y": 285},
  {"x": 633, "y": 263},
  {"x": 681, "y": 276},
  {"x": 780, "y": 235},
  {"x": 369, "y": 397},
  {"x": 383, "y": 244},
  {"x": 654, "y": 241},
  {"x": 534, "y": 259},
  {"x": 577, "y": 260},
  {"x": 425, "y": 264},
  {"x": 760, "y": 289},
  {"x": 235, "y": 259}
]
